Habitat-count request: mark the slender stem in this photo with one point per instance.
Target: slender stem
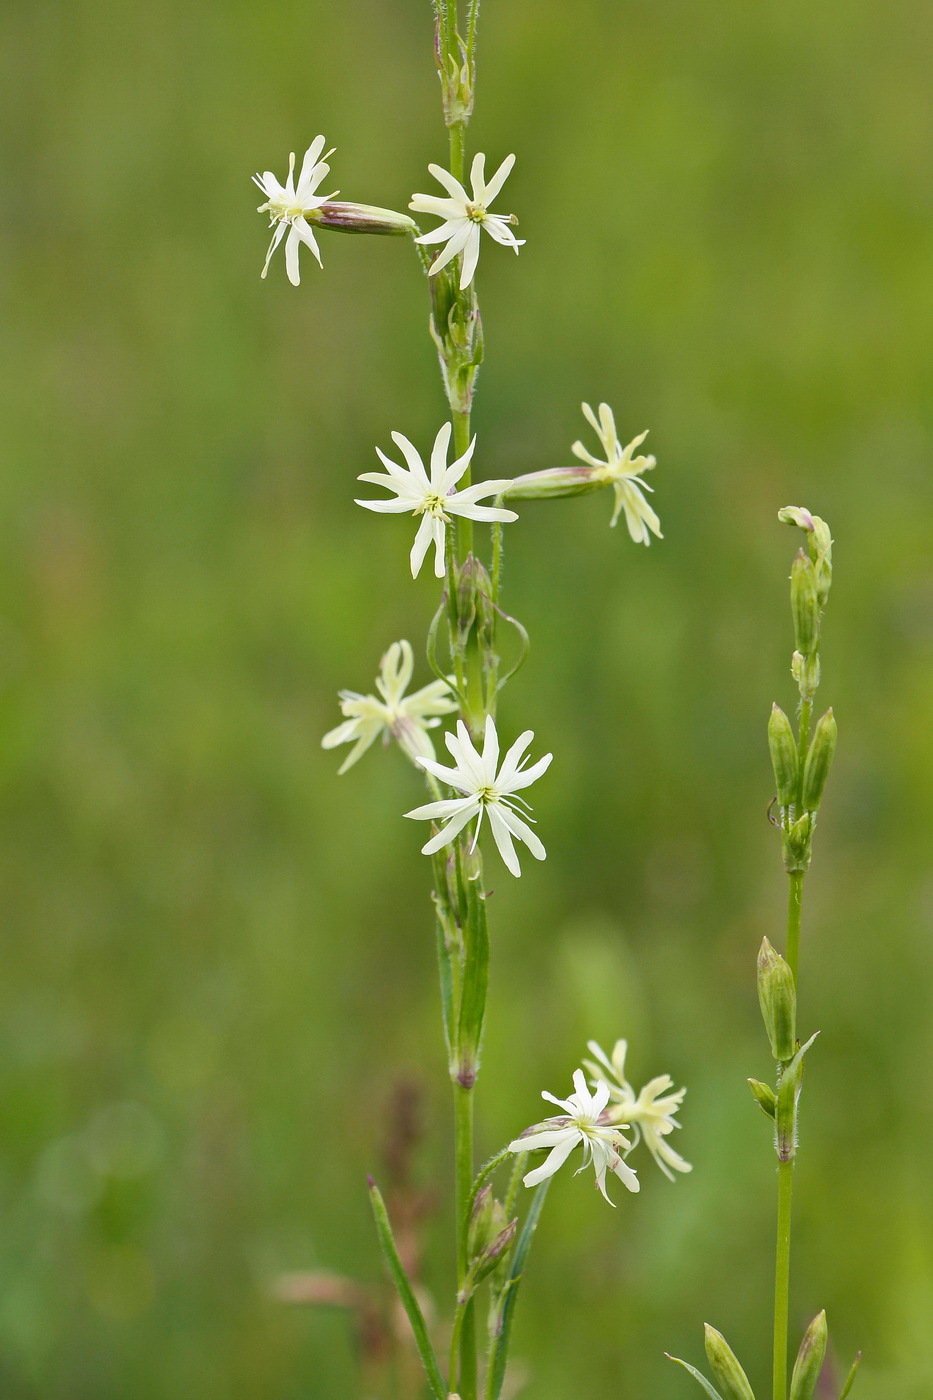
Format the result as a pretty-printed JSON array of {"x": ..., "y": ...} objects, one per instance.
[
  {"x": 465, "y": 1339},
  {"x": 782, "y": 1278},
  {"x": 803, "y": 743},
  {"x": 461, "y": 422},
  {"x": 794, "y": 898}
]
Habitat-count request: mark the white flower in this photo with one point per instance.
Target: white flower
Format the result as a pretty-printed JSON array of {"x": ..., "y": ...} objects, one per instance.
[
  {"x": 464, "y": 215},
  {"x": 288, "y": 204},
  {"x": 433, "y": 497},
  {"x": 649, "y": 1114},
  {"x": 406, "y": 718},
  {"x": 486, "y": 790},
  {"x": 622, "y": 471},
  {"x": 585, "y": 1124}
]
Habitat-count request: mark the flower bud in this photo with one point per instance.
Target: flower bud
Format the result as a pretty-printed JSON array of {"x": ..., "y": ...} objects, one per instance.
[
  {"x": 360, "y": 218},
  {"x": 804, "y": 604},
  {"x": 796, "y": 515},
  {"x": 783, "y": 748},
  {"x": 554, "y": 482},
  {"x": 821, "y": 552},
  {"x": 797, "y": 842},
  {"x": 785, "y": 1119},
  {"x": 486, "y": 1220},
  {"x": 765, "y": 1097},
  {"x": 809, "y": 1361},
  {"x": 819, "y": 761},
  {"x": 806, "y": 672},
  {"x": 777, "y": 996},
  {"x": 732, "y": 1380}
]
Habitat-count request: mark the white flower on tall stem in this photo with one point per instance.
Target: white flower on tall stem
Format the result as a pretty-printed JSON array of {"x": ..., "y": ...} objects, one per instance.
[
  {"x": 433, "y": 496},
  {"x": 650, "y": 1114},
  {"x": 486, "y": 789},
  {"x": 622, "y": 471},
  {"x": 288, "y": 204},
  {"x": 583, "y": 1123},
  {"x": 392, "y": 714},
  {"x": 465, "y": 215}
]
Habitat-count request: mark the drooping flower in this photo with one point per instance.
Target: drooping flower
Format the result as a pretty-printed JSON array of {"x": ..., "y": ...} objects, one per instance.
[
  {"x": 486, "y": 789},
  {"x": 582, "y": 1123},
  {"x": 392, "y": 714},
  {"x": 287, "y": 206},
  {"x": 622, "y": 471},
  {"x": 433, "y": 496},
  {"x": 465, "y": 215},
  {"x": 649, "y": 1114}
]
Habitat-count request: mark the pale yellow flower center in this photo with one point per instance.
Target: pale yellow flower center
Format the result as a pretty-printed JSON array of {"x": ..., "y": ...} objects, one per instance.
[{"x": 476, "y": 212}]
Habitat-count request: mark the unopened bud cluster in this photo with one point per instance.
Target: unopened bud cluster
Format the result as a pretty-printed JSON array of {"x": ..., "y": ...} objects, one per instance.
[
  {"x": 801, "y": 767},
  {"x": 457, "y": 331}
]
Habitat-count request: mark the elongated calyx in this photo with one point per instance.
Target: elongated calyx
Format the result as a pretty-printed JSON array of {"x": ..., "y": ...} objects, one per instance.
[
  {"x": 778, "y": 999},
  {"x": 804, "y": 604},
  {"x": 819, "y": 762},
  {"x": 345, "y": 217},
  {"x": 809, "y": 1361},
  {"x": 783, "y": 748},
  {"x": 725, "y": 1366}
]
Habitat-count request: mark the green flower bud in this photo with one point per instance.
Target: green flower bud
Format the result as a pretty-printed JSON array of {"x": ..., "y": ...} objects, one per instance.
[
  {"x": 809, "y": 1361},
  {"x": 804, "y": 604},
  {"x": 821, "y": 552},
  {"x": 785, "y": 1119},
  {"x": 797, "y": 843},
  {"x": 777, "y": 996},
  {"x": 489, "y": 1235},
  {"x": 806, "y": 672},
  {"x": 765, "y": 1097},
  {"x": 360, "y": 218},
  {"x": 723, "y": 1363},
  {"x": 796, "y": 515},
  {"x": 819, "y": 761},
  {"x": 783, "y": 748},
  {"x": 555, "y": 482}
]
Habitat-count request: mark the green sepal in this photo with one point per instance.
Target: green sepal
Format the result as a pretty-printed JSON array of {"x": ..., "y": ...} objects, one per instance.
[
  {"x": 783, "y": 749},
  {"x": 804, "y": 602},
  {"x": 725, "y": 1367},
  {"x": 777, "y": 996},
  {"x": 475, "y": 976},
  {"x": 711, "y": 1391},
  {"x": 406, "y": 1293},
  {"x": 809, "y": 1361},
  {"x": 819, "y": 761}
]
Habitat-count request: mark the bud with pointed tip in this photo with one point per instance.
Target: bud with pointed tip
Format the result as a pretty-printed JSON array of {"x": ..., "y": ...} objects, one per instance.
[
  {"x": 804, "y": 604},
  {"x": 345, "y": 217},
  {"x": 783, "y": 748},
  {"x": 765, "y": 1097},
  {"x": 777, "y": 996},
  {"x": 797, "y": 842},
  {"x": 725, "y": 1367},
  {"x": 554, "y": 482},
  {"x": 809, "y": 1361},
  {"x": 819, "y": 761}
]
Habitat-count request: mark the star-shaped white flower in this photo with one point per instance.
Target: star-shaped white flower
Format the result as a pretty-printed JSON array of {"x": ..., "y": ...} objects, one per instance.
[
  {"x": 465, "y": 215},
  {"x": 393, "y": 714},
  {"x": 622, "y": 471},
  {"x": 486, "y": 788},
  {"x": 433, "y": 496},
  {"x": 650, "y": 1113},
  {"x": 288, "y": 204},
  {"x": 582, "y": 1123}
]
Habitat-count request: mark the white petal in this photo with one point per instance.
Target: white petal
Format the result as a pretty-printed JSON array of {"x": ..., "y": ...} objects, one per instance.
[
  {"x": 445, "y": 231},
  {"x": 486, "y": 513},
  {"x": 441, "y": 811},
  {"x": 553, "y": 1162},
  {"x": 498, "y": 180},
  {"x": 292, "y": 243},
  {"x": 457, "y": 469},
  {"x": 312, "y": 156},
  {"x": 524, "y": 833},
  {"x": 530, "y": 775},
  {"x": 503, "y": 839},
  {"x": 452, "y": 186},
  {"x": 447, "y": 833},
  {"x": 397, "y": 507},
  {"x": 439, "y": 456},
  {"x": 490, "y": 749},
  {"x": 548, "y": 1137},
  {"x": 420, "y": 547},
  {"x": 470, "y": 256},
  {"x": 478, "y": 178},
  {"x": 455, "y": 244},
  {"x": 412, "y": 456},
  {"x": 432, "y": 204},
  {"x": 502, "y": 233},
  {"x": 276, "y": 240}
]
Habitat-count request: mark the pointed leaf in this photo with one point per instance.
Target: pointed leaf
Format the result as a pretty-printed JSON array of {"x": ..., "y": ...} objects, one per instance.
[
  {"x": 697, "y": 1376},
  {"x": 406, "y": 1293},
  {"x": 850, "y": 1379},
  {"x": 509, "y": 1295}
]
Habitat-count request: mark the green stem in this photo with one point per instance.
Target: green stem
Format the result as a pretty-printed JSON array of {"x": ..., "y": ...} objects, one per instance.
[
  {"x": 461, "y": 422},
  {"x": 463, "y": 1164},
  {"x": 782, "y": 1278},
  {"x": 794, "y": 898},
  {"x": 803, "y": 743}
]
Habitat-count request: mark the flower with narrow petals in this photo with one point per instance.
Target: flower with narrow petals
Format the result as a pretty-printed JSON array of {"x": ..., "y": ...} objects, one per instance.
[
  {"x": 465, "y": 215},
  {"x": 622, "y": 471},
  {"x": 433, "y": 496},
  {"x": 486, "y": 788},
  {"x": 287, "y": 206},
  {"x": 650, "y": 1114},
  {"x": 392, "y": 714},
  {"x": 582, "y": 1122}
]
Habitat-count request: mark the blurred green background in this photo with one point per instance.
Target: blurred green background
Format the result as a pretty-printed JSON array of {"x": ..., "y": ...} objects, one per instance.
[{"x": 217, "y": 960}]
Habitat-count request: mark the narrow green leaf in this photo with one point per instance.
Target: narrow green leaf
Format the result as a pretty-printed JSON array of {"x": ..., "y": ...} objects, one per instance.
[
  {"x": 850, "y": 1379},
  {"x": 697, "y": 1376},
  {"x": 475, "y": 980},
  {"x": 406, "y": 1293},
  {"x": 509, "y": 1295}
]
